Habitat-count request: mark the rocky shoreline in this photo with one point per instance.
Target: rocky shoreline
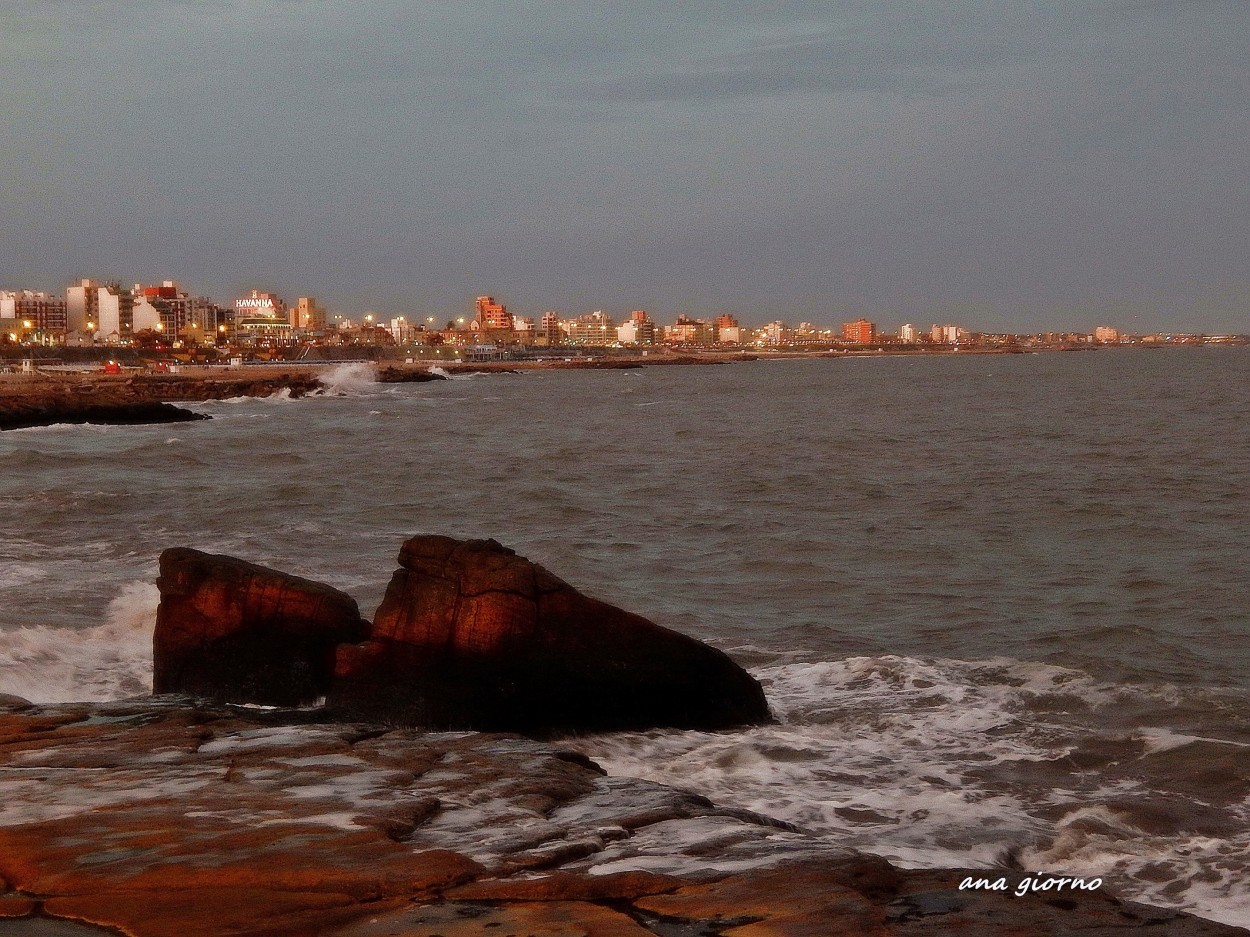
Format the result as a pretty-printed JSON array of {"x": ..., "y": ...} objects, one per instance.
[
  {"x": 113, "y": 400},
  {"x": 179, "y": 816},
  {"x": 172, "y": 817}
]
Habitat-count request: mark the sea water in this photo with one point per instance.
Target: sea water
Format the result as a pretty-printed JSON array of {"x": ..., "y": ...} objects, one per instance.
[{"x": 1000, "y": 604}]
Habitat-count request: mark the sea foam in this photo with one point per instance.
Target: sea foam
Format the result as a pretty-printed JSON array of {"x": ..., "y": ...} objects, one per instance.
[{"x": 110, "y": 661}]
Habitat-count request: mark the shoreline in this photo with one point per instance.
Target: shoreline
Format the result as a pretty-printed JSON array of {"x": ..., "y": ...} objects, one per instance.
[
  {"x": 302, "y": 825},
  {"x": 46, "y": 397}
]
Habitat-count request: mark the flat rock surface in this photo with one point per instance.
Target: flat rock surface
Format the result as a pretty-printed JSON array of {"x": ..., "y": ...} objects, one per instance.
[{"x": 171, "y": 817}]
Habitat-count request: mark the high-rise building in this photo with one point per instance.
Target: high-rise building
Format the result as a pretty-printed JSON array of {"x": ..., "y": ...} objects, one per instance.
[
  {"x": 45, "y": 313},
  {"x": 639, "y": 330},
  {"x": 82, "y": 308},
  {"x": 596, "y": 328},
  {"x": 947, "y": 334},
  {"x": 309, "y": 316},
  {"x": 909, "y": 334},
  {"x": 861, "y": 331},
  {"x": 114, "y": 313},
  {"x": 492, "y": 316}
]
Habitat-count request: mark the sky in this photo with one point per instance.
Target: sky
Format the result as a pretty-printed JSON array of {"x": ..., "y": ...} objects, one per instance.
[{"x": 1007, "y": 165}]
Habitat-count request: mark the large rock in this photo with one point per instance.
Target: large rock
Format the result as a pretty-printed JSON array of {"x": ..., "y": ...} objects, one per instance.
[
  {"x": 232, "y": 630},
  {"x": 470, "y": 635}
]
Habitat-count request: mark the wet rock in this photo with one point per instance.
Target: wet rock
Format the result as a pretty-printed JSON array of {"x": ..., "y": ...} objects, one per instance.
[
  {"x": 231, "y": 630},
  {"x": 212, "y": 820},
  {"x": 26, "y": 413},
  {"x": 470, "y": 635}
]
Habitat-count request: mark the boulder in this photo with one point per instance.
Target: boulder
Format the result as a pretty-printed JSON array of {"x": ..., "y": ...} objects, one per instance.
[
  {"x": 470, "y": 635},
  {"x": 234, "y": 631}
]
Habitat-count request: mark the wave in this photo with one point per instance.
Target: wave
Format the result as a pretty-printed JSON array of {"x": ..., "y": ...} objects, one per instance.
[
  {"x": 358, "y": 379},
  {"x": 110, "y": 661},
  {"x": 946, "y": 763}
]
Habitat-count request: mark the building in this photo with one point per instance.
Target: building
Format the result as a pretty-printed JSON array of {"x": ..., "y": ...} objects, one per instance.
[
  {"x": 775, "y": 333},
  {"x": 596, "y": 328},
  {"x": 1107, "y": 335},
  {"x": 687, "y": 331},
  {"x": 861, "y": 332},
  {"x": 82, "y": 309},
  {"x": 114, "y": 308},
  {"x": 909, "y": 334},
  {"x": 308, "y": 316},
  {"x": 947, "y": 334},
  {"x": 639, "y": 330},
  {"x": 728, "y": 330},
  {"x": 46, "y": 313},
  {"x": 550, "y": 330},
  {"x": 492, "y": 316},
  {"x": 261, "y": 317}
]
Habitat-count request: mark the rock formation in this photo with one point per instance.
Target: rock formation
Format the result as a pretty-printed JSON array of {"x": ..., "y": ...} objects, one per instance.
[
  {"x": 24, "y": 413},
  {"x": 163, "y": 818},
  {"x": 235, "y": 631},
  {"x": 470, "y": 635}
]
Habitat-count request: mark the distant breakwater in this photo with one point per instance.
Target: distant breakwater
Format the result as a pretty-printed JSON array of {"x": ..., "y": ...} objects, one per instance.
[{"x": 106, "y": 399}]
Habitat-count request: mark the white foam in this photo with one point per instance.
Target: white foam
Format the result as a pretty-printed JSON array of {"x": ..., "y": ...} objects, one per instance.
[
  {"x": 110, "y": 661},
  {"x": 883, "y": 754},
  {"x": 349, "y": 380}
]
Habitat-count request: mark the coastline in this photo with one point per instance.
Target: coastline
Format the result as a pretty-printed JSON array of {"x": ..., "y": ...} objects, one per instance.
[{"x": 212, "y": 819}]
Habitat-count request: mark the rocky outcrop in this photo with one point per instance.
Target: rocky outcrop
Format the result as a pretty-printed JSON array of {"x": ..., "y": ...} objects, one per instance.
[
  {"x": 231, "y": 630},
  {"x": 470, "y": 635},
  {"x": 164, "y": 818},
  {"x": 50, "y": 410},
  {"x": 104, "y": 399}
]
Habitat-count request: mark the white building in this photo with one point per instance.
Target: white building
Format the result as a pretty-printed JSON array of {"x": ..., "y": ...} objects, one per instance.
[{"x": 909, "y": 333}]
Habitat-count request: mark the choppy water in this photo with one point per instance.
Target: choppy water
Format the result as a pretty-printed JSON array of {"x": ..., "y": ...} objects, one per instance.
[{"x": 1001, "y": 603}]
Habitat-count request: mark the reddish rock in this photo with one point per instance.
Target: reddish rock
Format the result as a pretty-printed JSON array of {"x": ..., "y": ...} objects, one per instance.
[
  {"x": 235, "y": 631},
  {"x": 470, "y": 635}
]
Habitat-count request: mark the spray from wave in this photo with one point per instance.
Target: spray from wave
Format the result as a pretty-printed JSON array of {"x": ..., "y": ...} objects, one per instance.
[
  {"x": 349, "y": 380},
  {"x": 110, "y": 661}
]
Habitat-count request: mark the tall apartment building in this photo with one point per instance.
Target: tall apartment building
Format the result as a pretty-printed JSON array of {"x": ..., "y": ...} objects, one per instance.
[
  {"x": 596, "y": 328},
  {"x": 45, "y": 312},
  {"x": 639, "y": 330},
  {"x": 492, "y": 316},
  {"x": 307, "y": 315},
  {"x": 861, "y": 331},
  {"x": 947, "y": 334},
  {"x": 909, "y": 334},
  {"x": 82, "y": 307},
  {"x": 776, "y": 333}
]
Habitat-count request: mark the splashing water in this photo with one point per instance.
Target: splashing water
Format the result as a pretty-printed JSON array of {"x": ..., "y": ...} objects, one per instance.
[
  {"x": 350, "y": 380},
  {"x": 110, "y": 661}
]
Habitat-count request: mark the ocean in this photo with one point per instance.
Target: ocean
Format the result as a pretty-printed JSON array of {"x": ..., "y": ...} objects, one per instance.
[{"x": 1000, "y": 604}]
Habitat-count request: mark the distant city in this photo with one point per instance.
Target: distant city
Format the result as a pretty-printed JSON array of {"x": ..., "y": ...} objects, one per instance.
[{"x": 160, "y": 317}]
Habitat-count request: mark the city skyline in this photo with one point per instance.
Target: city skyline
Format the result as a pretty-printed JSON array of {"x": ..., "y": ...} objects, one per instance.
[{"x": 1047, "y": 166}]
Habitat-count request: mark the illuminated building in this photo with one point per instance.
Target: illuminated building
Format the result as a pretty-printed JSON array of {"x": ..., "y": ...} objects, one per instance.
[
  {"x": 639, "y": 330},
  {"x": 492, "y": 316},
  {"x": 596, "y": 328},
  {"x": 261, "y": 316},
  {"x": 860, "y": 331},
  {"x": 1106, "y": 334},
  {"x": 307, "y": 315},
  {"x": 45, "y": 313}
]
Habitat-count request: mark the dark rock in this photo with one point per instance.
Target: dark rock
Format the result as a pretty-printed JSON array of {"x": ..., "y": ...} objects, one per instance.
[
  {"x": 24, "y": 413},
  {"x": 235, "y": 631},
  {"x": 470, "y": 635}
]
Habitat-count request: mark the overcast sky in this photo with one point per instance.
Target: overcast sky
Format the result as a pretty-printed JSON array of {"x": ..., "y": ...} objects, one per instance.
[{"x": 1004, "y": 164}]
